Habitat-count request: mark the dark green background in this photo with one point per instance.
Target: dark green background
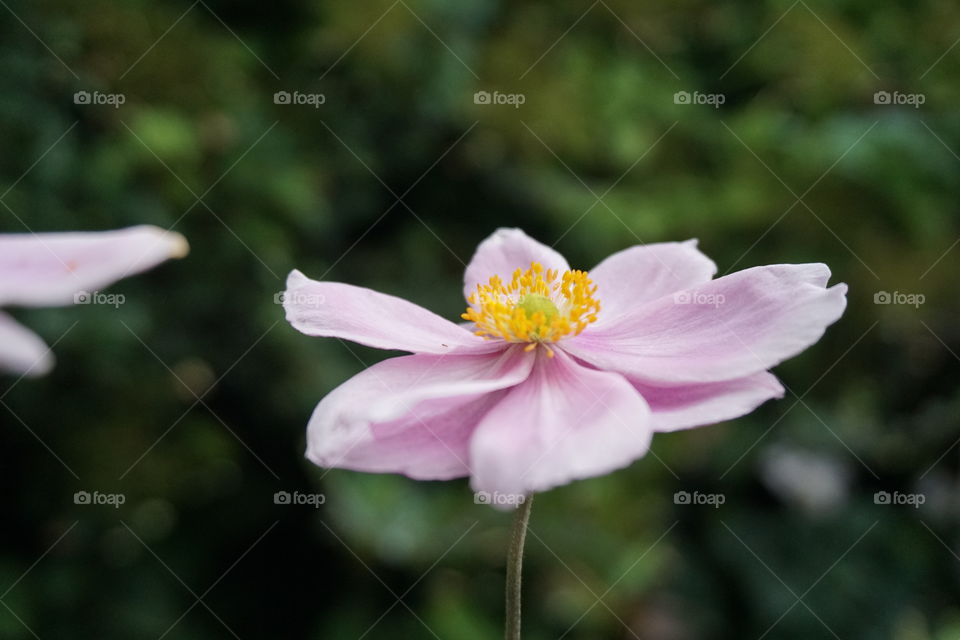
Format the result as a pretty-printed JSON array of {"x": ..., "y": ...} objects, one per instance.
[{"x": 287, "y": 186}]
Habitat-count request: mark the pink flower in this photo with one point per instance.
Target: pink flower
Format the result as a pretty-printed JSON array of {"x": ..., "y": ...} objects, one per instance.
[
  {"x": 559, "y": 375},
  {"x": 52, "y": 269}
]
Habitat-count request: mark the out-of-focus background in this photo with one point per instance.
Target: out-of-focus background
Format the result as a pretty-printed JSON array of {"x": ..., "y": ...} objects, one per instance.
[{"x": 354, "y": 141}]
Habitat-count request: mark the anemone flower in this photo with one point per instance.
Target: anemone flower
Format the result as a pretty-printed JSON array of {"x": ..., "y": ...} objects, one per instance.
[
  {"x": 56, "y": 269},
  {"x": 558, "y": 374}
]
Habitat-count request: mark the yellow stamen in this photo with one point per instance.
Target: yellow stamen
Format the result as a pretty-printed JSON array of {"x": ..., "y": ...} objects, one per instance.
[{"x": 536, "y": 306}]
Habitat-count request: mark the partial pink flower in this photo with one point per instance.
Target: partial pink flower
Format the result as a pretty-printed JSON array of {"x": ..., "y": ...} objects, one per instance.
[
  {"x": 559, "y": 374},
  {"x": 51, "y": 269}
]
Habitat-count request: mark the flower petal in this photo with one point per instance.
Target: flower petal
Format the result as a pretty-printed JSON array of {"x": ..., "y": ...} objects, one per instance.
[
  {"x": 505, "y": 251},
  {"x": 412, "y": 414},
  {"x": 49, "y": 269},
  {"x": 695, "y": 405},
  {"x": 563, "y": 423},
  {"x": 21, "y": 350},
  {"x": 334, "y": 309},
  {"x": 729, "y": 328},
  {"x": 634, "y": 276}
]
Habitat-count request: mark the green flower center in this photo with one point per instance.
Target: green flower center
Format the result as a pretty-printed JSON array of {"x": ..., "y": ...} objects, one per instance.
[{"x": 535, "y": 303}]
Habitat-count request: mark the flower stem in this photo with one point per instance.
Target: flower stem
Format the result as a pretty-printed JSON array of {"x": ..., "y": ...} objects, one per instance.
[{"x": 515, "y": 568}]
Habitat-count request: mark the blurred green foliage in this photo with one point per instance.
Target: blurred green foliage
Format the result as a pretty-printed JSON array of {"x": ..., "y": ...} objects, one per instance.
[{"x": 798, "y": 164}]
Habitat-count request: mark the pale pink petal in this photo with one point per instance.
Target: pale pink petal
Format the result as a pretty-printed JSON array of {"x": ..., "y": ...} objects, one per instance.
[
  {"x": 334, "y": 309},
  {"x": 22, "y": 352},
  {"x": 503, "y": 253},
  {"x": 50, "y": 269},
  {"x": 412, "y": 414},
  {"x": 634, "y": 276},
  {"x": 695, "y": 405},
  {"x": 565, "y": 422},
  {"x": 729, "y": 328}
]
